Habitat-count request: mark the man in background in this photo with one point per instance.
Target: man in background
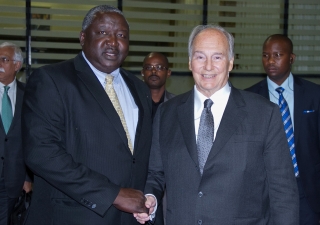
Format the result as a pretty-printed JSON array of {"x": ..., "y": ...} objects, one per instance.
[
  {"x": 221, "y": 160},
  {"x": 303, "y": 100},
  {"x": 155, "y": 72},
  {"x": 12, "y": 166},
  {"x": 87, "y": 131}
]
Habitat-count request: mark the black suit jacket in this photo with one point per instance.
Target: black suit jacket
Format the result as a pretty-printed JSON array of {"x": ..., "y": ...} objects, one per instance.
[
  {"x": 12, "y": 163},
  {"x": 306, "y": 134},
  {"x": 77, "y": 147},
  {"x": 248, "y": 174}
]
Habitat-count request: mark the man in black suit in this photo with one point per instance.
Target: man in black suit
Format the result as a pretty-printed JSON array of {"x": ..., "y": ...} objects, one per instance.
[
  {"x": 303, "y": 98},
  {"x": 12, "y": 166},
  {"x": 220, "y": 159},
  {"x": 89, "y": 149},
  {"x": 155, "y": 72}
]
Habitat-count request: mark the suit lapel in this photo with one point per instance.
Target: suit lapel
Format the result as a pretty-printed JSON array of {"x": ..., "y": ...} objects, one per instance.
[
  {"x": 231, "y": 120},
  {"x": 135, "y": 95},
  {"x": 92, "y": 83},
  {"x": 299, "y": 99},
  {"x": 186, "y": 120},
  {"x": 264, "y": 91}
]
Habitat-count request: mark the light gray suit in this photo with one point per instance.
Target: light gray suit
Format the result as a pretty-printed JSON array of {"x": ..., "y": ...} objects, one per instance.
[{"x": 248, "y": 176}]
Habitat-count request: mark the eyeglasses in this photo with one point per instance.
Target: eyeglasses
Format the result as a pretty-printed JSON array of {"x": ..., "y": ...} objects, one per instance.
[
  {"x": 156, "y": 67},
  {"x": 5, "y": 60}
]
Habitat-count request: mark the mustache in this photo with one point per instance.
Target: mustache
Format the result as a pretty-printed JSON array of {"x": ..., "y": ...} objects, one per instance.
[
  {"x": 2, "y": 70},
  {"x": 153, "y": 75}
]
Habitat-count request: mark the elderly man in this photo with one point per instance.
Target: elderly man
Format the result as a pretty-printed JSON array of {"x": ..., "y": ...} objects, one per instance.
[
  {"x": 220, "y": 152},
  {"x": 87, "y": 131},
  {"x": 12, "y": 167}
]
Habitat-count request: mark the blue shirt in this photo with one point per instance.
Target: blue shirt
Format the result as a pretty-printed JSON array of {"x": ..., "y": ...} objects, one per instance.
[{"x": 287, "y": 93}]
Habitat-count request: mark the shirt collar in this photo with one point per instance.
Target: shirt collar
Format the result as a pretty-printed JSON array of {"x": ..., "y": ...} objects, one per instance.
[
  {"x": 101, "y": 75},
  {"x": 219, "y": 96},
  {"x": 287, "y": 84},
  {"x": 12, "y": 85}
]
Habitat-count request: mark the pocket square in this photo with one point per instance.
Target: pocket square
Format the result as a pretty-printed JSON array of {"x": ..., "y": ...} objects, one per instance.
[{"x": 309, "y": 111}]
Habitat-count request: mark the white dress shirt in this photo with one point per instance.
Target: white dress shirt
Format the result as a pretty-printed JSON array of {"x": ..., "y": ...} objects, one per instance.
[
  {"x": 12, "y": 93},
  {"x": 287, "y": 94},
  {"x": 219, "y": 98},
  {"x": 128, "y": 105}
]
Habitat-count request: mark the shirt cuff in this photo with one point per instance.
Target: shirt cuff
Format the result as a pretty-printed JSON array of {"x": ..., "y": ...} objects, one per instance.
[{"x": 153, "y": 214}]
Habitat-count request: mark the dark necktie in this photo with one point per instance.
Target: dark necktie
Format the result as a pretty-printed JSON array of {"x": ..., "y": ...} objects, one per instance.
[
  {"x": 287, "y": 122},
  {"x": 6, "y": 112},
  {"x": 205, "y": 134}
]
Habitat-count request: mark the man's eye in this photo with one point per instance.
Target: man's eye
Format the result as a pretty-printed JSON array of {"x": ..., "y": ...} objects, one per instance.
[{"x": 102, "y": 32}]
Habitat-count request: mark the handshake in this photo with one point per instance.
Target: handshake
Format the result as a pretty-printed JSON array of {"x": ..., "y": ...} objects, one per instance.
[{"x": 133, "y": 201}]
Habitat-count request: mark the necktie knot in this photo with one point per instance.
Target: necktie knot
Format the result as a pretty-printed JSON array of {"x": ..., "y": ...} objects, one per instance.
[
  {"x": 208, "y": 103},
  {"x": 6, "y": 89},
  {"x": 109, "y": 79},
  {"x": 280, "y": 90}
]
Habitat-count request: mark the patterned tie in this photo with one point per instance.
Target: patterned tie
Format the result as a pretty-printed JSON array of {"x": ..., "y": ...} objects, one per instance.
[
  {"x": 6, "y": 112},
  {"x": 205, "y": 134},
  {"x": 115, "y": 101},
  {"x": 286, "y": 118}
]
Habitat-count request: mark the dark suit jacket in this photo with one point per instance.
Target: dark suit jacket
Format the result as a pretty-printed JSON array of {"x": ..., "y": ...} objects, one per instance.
[
  {"x": 248, "y": 174},
  {"x": 11, "y": 163},
  {"x": 77, "y": 147},
  {"x": 306, "y": 134},
  {"x": 168, "y": 95}
]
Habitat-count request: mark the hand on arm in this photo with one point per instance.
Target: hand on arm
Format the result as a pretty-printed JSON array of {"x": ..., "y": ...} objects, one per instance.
[
  {"x": 130, "y": 200},
  {"x": 150, "y": 203}
]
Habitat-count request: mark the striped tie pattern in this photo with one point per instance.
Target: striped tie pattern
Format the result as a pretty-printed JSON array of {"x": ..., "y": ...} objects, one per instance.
[
  {"x": 287, "y": 122},
  {"x": 6, "y": 112},
  {"x": 115, "y": 102},
  {"x": 205, "y": 134}
]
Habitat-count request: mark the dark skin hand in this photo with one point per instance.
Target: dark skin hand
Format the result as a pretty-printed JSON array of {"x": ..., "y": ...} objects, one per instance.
[{"x": 131, "y": 201}]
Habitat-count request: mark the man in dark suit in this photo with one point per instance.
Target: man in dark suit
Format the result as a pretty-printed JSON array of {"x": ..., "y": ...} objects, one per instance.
[
  {"x": 12, "y": 166},
  {"x": 155, "y": 72},
  {"x": 220, "y": 158},
  {"x": 89, "y": 149},
  {"x": 303, "y": 98}
]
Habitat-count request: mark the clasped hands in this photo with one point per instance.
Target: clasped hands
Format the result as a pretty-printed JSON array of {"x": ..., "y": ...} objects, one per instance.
[{"x": 133, "y": 201}]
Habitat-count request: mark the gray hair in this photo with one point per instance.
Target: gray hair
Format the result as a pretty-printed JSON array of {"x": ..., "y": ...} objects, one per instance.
[
  {"x": 17, "y": 51},
  {"x": 100, "y": 8},
  {"x": 198, "y": 29}
]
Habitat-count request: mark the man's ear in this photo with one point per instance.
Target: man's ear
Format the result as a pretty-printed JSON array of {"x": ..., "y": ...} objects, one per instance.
[
  {"x": 17, "y": 66},
  {"x": 292, "y": 58},
  {"x": 81, "y": 38}
]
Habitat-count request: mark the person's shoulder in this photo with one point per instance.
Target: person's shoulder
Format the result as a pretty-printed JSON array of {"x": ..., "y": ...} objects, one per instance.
[
  {"x": 308, "y": 84},
  {"x": 257, "y": 86},
  {"x": 255, "y": 99}
]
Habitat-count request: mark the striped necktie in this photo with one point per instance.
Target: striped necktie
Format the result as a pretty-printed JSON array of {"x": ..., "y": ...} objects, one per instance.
[
  {"x": 288, "y": 127},
  {"x": 115, "y": 102},
  {"x": 6, "y": 111},
  {"x": 205, "y": 134}
]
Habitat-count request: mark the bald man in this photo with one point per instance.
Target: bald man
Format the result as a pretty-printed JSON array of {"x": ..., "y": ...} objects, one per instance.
[{"x": 303, "y": 98}]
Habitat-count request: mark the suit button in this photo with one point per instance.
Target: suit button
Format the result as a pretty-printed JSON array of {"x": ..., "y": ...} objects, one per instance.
[
  {"x": 6, "y": 139},
  {"x": 199, "y": 222},
  {"x": 200, "y": 194},
  {"x": 134, "y": 160},
  {"x": 94, "y": 206}
]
